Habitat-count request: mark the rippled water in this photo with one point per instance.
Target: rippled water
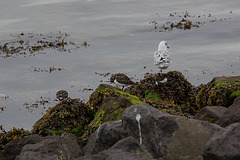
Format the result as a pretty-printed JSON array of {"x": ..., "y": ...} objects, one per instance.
[{"x": 121, "y": 40}]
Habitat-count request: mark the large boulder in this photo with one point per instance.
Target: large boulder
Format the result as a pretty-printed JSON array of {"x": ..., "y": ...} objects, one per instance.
[
  {"x": 125, "y": 149},
  {"x": 210, "y": 113},
  {"x": 164, "y": 136},
  {"x": 231, "y": 115},
  {"x": 64, "y": 147},
  {"x": 224, "y": 145},
  {"x": 13, "y": 148}
]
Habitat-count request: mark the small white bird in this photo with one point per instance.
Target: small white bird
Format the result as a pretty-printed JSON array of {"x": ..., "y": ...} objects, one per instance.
[{"x": 162, "y": 57}]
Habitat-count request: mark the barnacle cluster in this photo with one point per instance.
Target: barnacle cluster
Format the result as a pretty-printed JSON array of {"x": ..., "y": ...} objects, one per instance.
[
  {"x": 30, "y": 44},
  {"x": 184, "y": 21}
]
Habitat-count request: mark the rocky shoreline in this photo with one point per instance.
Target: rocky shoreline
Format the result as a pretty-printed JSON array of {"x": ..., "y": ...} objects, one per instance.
[{"x": 149, "y": 120}]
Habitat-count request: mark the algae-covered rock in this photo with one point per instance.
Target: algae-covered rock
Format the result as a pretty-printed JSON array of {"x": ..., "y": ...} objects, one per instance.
[
  {"x": 221, "y": 91},
  {"x": 107, "y": 104},
  {"x": 13, "y": 134},
  {"x": 175, "y": 96},
  {"x": 104, "y": 90},
  {"x": 109, "y": 110},
  {"x": 70, "y": 115}
]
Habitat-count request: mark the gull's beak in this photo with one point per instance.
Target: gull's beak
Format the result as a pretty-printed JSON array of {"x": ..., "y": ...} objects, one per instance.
[{"x": 167, "y": 46}]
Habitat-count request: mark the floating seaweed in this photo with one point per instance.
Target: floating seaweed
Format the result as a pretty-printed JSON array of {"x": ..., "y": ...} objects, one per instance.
[
  {"x": 43, "y": 103},
  {"x": 30, "y": 44},
  {"x": 185, "y": 21},
  {"x": 48, "y": 70}
]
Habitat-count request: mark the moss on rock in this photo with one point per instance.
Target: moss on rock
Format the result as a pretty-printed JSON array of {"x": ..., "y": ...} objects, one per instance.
[
  {"x": 110, "y": 110},
  {"x": 103, "y": 91}
]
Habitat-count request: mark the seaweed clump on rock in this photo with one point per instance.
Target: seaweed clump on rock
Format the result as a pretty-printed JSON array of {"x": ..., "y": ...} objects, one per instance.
[
  {"x": 176, "y": 95},
  {"x": 221, "y": 91},
  {"x": 14, "y": 134},
  {"x": 70, "y": 115}
]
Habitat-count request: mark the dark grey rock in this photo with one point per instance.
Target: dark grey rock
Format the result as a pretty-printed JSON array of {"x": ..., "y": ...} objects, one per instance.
[
  {"x": 125, "y": 149},
  {"x": 64, "y": 147},
  {"x": 224, "y": 145},
  {"x": 14, "y": 148},
  {"x": 231, "y": 115},
  {"x": 113, "y": 154},
  {"x": 105, "y": 137},
  {"x": 164, "y": 136},
  {"x": 210, "y": 113}
]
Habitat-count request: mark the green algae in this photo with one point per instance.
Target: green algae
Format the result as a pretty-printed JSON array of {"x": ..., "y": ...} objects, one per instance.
[
  {"x": 232, "y": 96},
  {"x": 227, "y": 83},
  {"x": 149, "y": 94},
  {"x": 105, "y": 88}
]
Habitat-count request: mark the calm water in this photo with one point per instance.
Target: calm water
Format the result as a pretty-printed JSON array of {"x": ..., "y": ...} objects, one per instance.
[{"x": 121, "y": 40}]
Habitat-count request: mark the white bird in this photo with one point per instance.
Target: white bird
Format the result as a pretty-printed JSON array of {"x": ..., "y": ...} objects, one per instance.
[{"x": 162, "y": 57}]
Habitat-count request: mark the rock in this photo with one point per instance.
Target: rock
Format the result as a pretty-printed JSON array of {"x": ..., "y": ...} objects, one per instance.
[
  {"x": 110, "y": 110},
  {"x": 231, "y": 115},
  {"x": 224, "y": 145},
  {"x": 11, "y": 135},
  {"x": 104, "y": 90},
  {"x": 210, "y": 113},
  {"x": 125, "y": 149},
  {"x": 105, "y": 137},
  {"x": 52, "y": 147},
  {"x": 221, "y": 91},
  {"x": 14, "y": 148},
  {"x": 163, "y": 136},
  {"x": 131, "y": 145},
  {"x": 69, "y": 115}
]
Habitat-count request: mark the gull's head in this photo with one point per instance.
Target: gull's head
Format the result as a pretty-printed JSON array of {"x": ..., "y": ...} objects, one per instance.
[{"x": 163, "y": 45}]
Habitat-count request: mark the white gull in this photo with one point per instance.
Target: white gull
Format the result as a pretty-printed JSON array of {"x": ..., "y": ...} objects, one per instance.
[{"x": 162, "y": 57}]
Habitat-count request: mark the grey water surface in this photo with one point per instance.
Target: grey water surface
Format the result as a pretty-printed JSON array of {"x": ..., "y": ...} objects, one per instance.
[{"x": 121, "y": 40}]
